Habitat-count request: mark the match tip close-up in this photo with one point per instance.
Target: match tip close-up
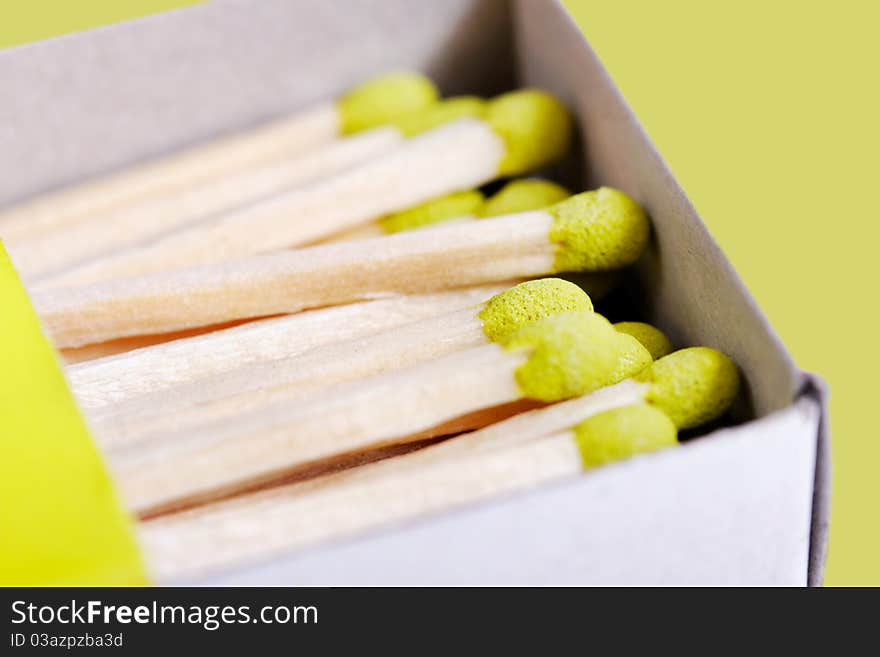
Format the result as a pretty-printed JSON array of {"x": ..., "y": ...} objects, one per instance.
[
  {"x": 508, "y": 311},
  {"x": 451, "y": 206},
  {"x": 570, "y": 354},
  {"x": 524, "y": 195},
  {"x": 600, "y": 230},
  {"x": 623, "y": 432},
  {"x": 432, "y": 116},
  {"x": 632, "y": 358},
  {"x": 384, "y": 99},
  {"x": 536, "y": 128},
  {"x": 652, "y": 338},
  {"x": 692, "y": 386}
]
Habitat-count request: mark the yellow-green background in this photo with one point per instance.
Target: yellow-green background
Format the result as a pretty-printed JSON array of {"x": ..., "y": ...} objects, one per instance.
[{"x": 767, "y": 112}]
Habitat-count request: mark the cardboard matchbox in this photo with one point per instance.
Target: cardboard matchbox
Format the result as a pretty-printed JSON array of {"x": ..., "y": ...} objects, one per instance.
[{"x": 742, "y": 505}]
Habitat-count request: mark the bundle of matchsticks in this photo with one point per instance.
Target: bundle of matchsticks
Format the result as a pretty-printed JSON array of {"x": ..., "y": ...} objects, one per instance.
[{"x": 350, "y": 317}]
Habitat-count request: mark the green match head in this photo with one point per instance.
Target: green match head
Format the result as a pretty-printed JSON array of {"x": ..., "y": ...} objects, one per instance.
[
  {"x": 437, "y": 114},
  {"x": 522, "y": 196},
  {"x": 451, "y": 206},
  {"x": 536, "y": 128},
  {"x": 600, "y": 230},
  {"x": 569, "y": 355},
  {"x": 632, "y": 358},
  {"x": 652, "y": 338},
  {"x": 383, "y": 99},
  {"x": 692, "y": 386},
  {"x": 527, "y": 302},
  {"x": 623, "y": 432}
]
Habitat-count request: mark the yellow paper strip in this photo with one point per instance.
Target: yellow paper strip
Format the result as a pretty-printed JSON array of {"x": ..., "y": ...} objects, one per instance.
[{"x": 61, "y": 522}]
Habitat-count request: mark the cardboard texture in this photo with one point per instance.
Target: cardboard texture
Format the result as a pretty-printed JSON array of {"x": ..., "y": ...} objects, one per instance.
[{"x": 746, "y": 505}]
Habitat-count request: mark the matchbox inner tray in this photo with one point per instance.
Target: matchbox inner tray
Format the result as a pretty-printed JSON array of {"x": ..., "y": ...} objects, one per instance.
[{"x": 746, "y": 504}]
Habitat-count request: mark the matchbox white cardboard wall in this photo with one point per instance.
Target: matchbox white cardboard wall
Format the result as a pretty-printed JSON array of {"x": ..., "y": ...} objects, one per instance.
[{"x": 746, "y": 505}]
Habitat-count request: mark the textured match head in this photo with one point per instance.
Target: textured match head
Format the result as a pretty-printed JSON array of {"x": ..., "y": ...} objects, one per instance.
[
  {"x": 428, "y": 118},
  {"x": 632, "y": 358},
  {"x": 623, "y": 432},
  {"x": 536, "y": 129},
  {"x": 524, "y": 195},
  {"x": 527, "y": 302},
  {"x": 598, "y": 231},
  {"x": 444, "y": 208},
  {"x": 653, "y": 339},
  {"x": 568, "y": 355},
  {"x": 384, "y": 99},
  {"x": 692, "y": 386}
]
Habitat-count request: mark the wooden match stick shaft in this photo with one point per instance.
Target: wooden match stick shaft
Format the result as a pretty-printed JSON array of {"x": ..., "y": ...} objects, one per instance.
[
  {"x": 374, "y": 229},
  {"x": 282, "y": 138},
  {"x": 184, "y": 408},
  {"x": 62, "y": 256},
  {"x": 456, "y": 156},
  {"x": 381, "y": 410},
  {"x": 504, "y": 248},
  {"x": 174, "y": 548},
  {"x": 215, "y": 355}
]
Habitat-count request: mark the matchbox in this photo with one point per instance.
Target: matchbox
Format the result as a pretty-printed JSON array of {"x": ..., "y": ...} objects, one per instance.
[{"x": 745, "y": 504}]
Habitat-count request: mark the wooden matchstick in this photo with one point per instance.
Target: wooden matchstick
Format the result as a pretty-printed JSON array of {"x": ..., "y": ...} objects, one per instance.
[
  {"x": 547, "y": 360},
  {"x": 85, "y": 251},
  {"x": 536, "y": 447},
  {"x": 594, "y": 231},
  {"x": 373, "y": 103},
  {"x": 522, "y": 130},
  {"x": 206, "y": 400},
  {"x": 45, "y": 260},
  {"x": 215, "y": 355},
  {"x": 515, "y": 196}
]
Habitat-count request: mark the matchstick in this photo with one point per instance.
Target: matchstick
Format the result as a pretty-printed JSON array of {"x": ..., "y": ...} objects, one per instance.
[
  {"x": 371, "y": 104},
  {"x": 522, "y": 130},
  {"x": 653, "y": 339},
  {"x": 543, "y": 445},
  {"x": 65, "y": 256},
  {"x": 547, "y": 360},
  {"x": 515, "y": 196},
  {"x": 595, "y": 231},
  {"x": 215, "y": 355},
  {"x": 246, "y": 389}
]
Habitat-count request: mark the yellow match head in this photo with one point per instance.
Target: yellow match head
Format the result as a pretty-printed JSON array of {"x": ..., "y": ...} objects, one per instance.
[
  {"x": 512, "y": 309},
  {"x": 653, "y": 339},
  {"x": 383, "y": 99},
  {"x": 598, "y": 231},
  {"x": 451, "y": 206},
  {"x": 536, "y": 128},
  {"x": 437, "y": 114},
  {"x": 569, "y": 355},
  {"x": 522, "y": 196},
  {"x": 623, "y": 432},
  {"x": 632, "y": 358},
  {"x": 692, "y": 386}
]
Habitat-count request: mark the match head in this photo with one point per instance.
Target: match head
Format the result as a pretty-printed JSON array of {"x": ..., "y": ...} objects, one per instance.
[
  {"x": 383, "y": 99},
  {"x": 536, "y": 128},
  {"x": 632, "y": 358},
  {"x": 692, "y": 386},
  {"x": 527, "y": 302},
  {"x": 623, "y": 432},
  {"x": 653, "y": 339},
  {"x": 430, "y": 117},
  {"x": 522, "y": 196},
  {"x": 451, "y": 206},
  {"x": 569, "y": 355},
  {"x": 598, "y": 231}
]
